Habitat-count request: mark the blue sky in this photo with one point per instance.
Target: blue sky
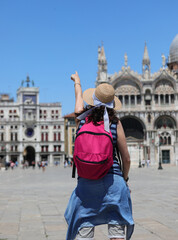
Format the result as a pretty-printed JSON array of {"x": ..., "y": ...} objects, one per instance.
[{"x": 50, "y": 39}]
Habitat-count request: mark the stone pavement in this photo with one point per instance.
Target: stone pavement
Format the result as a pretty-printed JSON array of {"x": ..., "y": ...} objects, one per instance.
[{"x": 32, "y": 203}]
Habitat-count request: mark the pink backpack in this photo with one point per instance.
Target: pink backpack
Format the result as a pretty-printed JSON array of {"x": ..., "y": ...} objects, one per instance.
[{"x": 93, "y": 152}]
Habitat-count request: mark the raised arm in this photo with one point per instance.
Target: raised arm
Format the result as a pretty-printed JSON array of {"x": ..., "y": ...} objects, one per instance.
[
  {"x": 79, "y": 105},
  {"x": 122, "y": 146}
]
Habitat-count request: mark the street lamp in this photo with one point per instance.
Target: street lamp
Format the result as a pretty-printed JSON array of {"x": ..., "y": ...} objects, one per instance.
[
  {"x": 140, "y": 165},
  {"x": 159, "y": 152}
]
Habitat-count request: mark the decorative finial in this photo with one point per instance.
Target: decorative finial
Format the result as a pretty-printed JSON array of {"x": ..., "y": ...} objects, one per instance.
[
  {"x": 125, "y": 59},
  {"x": 163, "y": 60},
  {"x": 28, "y": 80}
]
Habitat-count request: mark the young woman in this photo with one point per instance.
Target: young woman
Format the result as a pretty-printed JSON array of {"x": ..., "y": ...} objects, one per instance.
[{"x": 106, "y": 200}]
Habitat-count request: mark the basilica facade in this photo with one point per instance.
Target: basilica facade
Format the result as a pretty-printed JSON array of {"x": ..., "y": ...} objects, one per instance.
[
  {"x": 30, "y": 131},
  {"x": 149, "y": 106}
]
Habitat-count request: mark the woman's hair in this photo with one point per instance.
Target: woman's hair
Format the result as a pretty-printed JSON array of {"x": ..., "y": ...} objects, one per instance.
[{"x": 97, "y": 115}]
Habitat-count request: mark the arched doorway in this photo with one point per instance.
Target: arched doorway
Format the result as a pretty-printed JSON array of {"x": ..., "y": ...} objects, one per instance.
[
  {"x": 29, "y": 155},
  {"x": 133, "y": 128}
]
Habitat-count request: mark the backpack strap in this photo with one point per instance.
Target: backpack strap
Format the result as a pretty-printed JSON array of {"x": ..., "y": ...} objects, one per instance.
[
  {"x": 82, "y": 122},
  {"x": 116, "y": 152}
]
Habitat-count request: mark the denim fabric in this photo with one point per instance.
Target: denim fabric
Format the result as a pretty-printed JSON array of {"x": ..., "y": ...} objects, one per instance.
[{"x": 96, "y": 202}]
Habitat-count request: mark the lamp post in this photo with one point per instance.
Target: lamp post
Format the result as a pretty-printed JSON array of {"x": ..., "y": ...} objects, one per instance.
[
  {"x": 140, "y": 165},
  {"x": 159, "y": 152}
]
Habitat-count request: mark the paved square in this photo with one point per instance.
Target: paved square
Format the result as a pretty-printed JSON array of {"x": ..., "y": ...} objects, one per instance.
[{"x": 32, "y": 203}]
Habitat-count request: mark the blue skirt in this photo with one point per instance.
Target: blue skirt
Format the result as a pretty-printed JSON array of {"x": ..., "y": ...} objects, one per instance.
[{"x": 96, "y": 202}]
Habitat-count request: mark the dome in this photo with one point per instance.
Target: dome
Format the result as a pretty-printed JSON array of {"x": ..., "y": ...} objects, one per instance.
[{"x": 173, "y": 52}]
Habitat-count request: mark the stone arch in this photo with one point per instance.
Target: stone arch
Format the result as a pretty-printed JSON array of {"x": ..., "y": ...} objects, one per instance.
[
  {"x": 165, "y": 122},
  {"x": 127, "y": 86},
  {"x": 164, "y": 86},
  {"x": 29, "y": 155},
  {"x": 133, "y": 127}
]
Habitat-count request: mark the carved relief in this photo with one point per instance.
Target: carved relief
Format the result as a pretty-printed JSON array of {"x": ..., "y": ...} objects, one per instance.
[
  {"x": 164, "y": 87},
  {"x": 127, "y": 90}
]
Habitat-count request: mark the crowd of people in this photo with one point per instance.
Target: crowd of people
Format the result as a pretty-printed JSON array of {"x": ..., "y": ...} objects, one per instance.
[{"x": 26, "y": 164}]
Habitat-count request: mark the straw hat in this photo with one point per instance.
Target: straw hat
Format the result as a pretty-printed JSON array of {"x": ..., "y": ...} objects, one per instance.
[{"x": 105, "y": 93}]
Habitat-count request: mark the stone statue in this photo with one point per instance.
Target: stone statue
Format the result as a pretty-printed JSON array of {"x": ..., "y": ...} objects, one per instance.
[
  {"x": 125, "y": 59},
  {"x": 163, "y": 60}
]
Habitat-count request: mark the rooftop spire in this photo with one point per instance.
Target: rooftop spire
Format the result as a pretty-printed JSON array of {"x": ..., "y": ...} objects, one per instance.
[
  {"x": 102, "y": 56},
  {"x": 146, "y": 64},
  {"x": 102, "y": 66},
  {"x": 146, "y": 59}
]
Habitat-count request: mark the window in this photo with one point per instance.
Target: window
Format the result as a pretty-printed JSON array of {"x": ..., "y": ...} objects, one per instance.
[
  {"x": 42, "y": 137},
  {"x": 46, "y": 136},
  {"x": 138, "y": 99},
  {"x": 120, "y": 98},
  {"x": 2, "y": 136},
  {"x": 59, "y": 136},
  {"x": 73, "y": 138},
  {"x": 132, "y": 99},
  {"x": 11, "y": 136},
  {"x": 54, "y": 136},
  {"x": 126, "y": 99},
  {"x": 15, "y": 136},
  {"x": 72, "y": 149},
  {"x": 167, "y": 98},
  {"x": 172, "y": 98},
  {"x": 54, "y": 148}
]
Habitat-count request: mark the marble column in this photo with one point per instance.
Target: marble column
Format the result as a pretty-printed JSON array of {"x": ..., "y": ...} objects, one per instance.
[
  {"x": 159, "y": 99},
  {"x": 169, "y": 99},
  {"x": 123, "y": 100},
  {"x": 136, "y": 100}
]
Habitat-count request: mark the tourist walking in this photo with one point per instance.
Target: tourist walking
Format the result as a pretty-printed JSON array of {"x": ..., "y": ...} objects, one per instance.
[{"x": 101, "y": 199}]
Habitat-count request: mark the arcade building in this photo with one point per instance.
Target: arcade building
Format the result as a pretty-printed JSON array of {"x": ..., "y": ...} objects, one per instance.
[
  {"x": 149, "y": 113},
  {"x": 29, "y": 130}
]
